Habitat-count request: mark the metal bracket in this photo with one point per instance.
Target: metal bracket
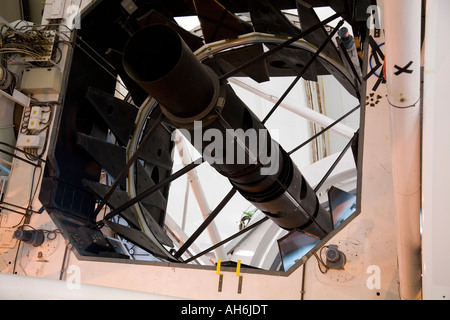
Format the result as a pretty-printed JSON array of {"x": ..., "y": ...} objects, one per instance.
[
  {"x": 219, "y": 289},
  {"x": 241, "y": 278}
]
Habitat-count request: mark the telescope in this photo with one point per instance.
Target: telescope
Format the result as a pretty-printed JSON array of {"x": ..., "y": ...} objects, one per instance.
[{"x": 223, "y": 129}]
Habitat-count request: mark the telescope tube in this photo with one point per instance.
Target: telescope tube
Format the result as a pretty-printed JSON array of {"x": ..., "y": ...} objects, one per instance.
[{"x": 193, "y": 100}]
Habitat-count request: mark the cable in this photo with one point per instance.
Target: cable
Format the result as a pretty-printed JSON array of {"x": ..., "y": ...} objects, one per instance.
[
  {"x": 33, "y": 193},
  {"x": 40, "y": 43},
  {"x": 320, "y": 262},
  {"x": 47, "y": 107},
  {"x": 8, "y": 80},
  {"x": 370, "y": 61},
  {"x": 15, "y": 258},
  {"x": 51, "y": 234}
]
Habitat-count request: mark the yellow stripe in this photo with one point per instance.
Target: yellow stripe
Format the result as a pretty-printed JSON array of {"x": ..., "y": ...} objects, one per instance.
[
  {"x": 218, "y": 266},
  {"x": 238, "y": 269}
]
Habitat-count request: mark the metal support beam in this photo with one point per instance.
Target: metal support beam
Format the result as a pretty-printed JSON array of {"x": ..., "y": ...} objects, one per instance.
[
  {"x": 304, "y": 112},
  {"x": 324, "y": 179},
  {"x": 199, "y": 194},
  {"x": 205, "y": 224},
  {"x": 155, "y": 188},
  {"x": 159, "y": 117},
  {"x": 324, "y": 130},
  {"x": 305, "y": 68},
  {"x": 276, "y": 49},
  {"x": 229, "y": 239}
]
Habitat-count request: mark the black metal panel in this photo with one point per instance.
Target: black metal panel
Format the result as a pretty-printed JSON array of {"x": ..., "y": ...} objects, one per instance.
[
  {"x": 361, "y": 14},
  {"x": 176, "y": 8},
  {"x": 156, "y": 229},
  {"x": 155, "y": 165},
  {"x": 118, "y": 198},
  {"x": 67, "y": 161},
  {"x": 294, "y": 59},
  {"x": 342, "y": 204},
  {"x": 110, "y": 157},
  {"x": 267, "y": 18},
  {"x": 92, "y": 241},
  {"x": 232, "y": 59},
  {"x": 154, "y": 17},
  {"x": 309, "y": 18},
  {"x": 68, "y": 202},
  {"x": 218, "y": 22},
  {"x": 86, "y": 241},
  {"x": 158, "y": 150},
  {"x": 118, "y": 114},
  {"x": 138, "y": 238},
  {"x": 344, "y": 7},
  {"x": 145, "y": 179},
  {"x": 296, "y": 245},
  {"x": 73, "y": 201}
]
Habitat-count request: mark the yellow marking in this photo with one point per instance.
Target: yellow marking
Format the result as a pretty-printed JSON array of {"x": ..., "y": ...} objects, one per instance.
[
  {"x": 218, "y": 266},
  {"x": 238, "y": 268}
]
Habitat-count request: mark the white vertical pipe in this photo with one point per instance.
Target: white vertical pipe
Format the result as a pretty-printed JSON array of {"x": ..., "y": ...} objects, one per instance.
[
  {"x": 436, "y": 154},
  {"x": 199, "y": 195},
  {"x": 403, "y": 46}
]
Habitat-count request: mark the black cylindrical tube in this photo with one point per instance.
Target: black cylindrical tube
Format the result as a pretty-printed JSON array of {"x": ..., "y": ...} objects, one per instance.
[
  {"x": 169, "y": 70},
  {"x": 33, "y": 237},
  {"x": 227, "y": 133}
]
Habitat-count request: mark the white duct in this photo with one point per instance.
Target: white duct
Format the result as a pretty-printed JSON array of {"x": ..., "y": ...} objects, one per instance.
[
  {"x": 403, "y": 69},
  {"x": 15, "y": 287},
  {"x": 436, "y": 154}
]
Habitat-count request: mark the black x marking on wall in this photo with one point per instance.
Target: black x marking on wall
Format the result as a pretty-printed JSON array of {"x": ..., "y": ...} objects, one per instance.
[{"x": 404, "y": 69}]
